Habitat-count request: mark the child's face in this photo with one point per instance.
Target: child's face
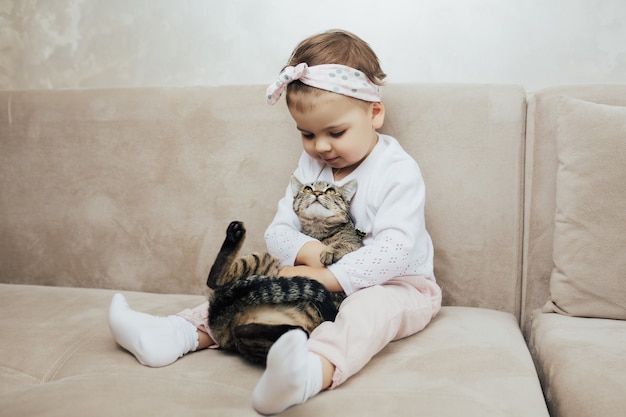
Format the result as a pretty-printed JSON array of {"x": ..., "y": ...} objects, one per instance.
[{"x": 338, "y": 130}]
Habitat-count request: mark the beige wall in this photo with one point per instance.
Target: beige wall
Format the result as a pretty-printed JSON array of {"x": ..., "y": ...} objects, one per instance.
[{"x": 128, "y": 43}]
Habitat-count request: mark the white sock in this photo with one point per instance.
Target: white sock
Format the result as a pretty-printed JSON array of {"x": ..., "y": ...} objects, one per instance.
[
  {"x": 155, "y": 341},
  {"x": 293, "y": 375}
]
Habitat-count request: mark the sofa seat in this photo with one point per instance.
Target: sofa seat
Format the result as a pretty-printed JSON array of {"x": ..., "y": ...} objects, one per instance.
[
  {"x": 581, "y": 363},
  {"x": 59, "y": 359}
]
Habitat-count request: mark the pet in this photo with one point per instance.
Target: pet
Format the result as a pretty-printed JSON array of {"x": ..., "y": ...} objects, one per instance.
[{"x": 250, "y": 306}]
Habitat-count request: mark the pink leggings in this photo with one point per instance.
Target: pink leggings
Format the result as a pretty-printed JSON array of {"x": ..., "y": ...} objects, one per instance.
[{"x": 367, "y": 321}]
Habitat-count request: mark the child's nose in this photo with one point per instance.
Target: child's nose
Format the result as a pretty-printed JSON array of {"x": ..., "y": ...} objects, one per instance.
[{"x": 322, "y": 145}]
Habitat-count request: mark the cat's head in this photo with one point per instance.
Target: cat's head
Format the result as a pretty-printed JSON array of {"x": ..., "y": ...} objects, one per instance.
[{"x": 321, "y": 200}]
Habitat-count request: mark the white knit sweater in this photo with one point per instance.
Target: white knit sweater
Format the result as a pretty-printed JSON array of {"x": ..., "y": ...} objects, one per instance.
[{"x": 388, "y": 207}]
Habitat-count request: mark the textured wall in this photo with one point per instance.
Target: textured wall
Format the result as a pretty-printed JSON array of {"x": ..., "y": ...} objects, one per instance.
[{"x": 125, "y": 43}]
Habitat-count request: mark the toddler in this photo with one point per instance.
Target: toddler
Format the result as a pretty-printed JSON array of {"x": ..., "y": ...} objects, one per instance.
[{"x": 332, "y": 85}]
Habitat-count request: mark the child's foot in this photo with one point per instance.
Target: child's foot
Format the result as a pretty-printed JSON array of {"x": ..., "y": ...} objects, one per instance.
[
  {"x": 293, "y": 375},
  {"x": 155, "y": 341}
]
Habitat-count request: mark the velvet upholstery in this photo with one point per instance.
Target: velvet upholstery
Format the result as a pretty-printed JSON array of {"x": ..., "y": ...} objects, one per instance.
[
  {"x": 81, "y": 371},
  {"x": 540, "y": 185},
  {"x": 131, "y": 190},
  {"x": 580, "y": 360},
  {"x": 581, "y": 364},
  {"x": 589, "y": 275}
]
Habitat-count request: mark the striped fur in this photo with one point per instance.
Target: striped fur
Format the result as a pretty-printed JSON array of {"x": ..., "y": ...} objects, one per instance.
[
  {"x": 324, "y": 212},
  {"x": 250, "y": 306}
]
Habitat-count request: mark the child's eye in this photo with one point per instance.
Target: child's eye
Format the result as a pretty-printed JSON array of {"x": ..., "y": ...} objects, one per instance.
[
  {"x": 337, "y": 134},
  {"x": 307, "y": 135}
]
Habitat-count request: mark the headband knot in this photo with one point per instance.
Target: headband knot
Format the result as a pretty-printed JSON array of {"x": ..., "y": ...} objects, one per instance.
[{"x": 336, "y": 78}]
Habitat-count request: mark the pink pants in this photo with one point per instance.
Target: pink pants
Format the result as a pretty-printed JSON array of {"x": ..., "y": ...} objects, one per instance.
[
  {"x": 199, "y": 317},
  {"x": 371, "y": 318},
  {"x": 367, "y": 321}
]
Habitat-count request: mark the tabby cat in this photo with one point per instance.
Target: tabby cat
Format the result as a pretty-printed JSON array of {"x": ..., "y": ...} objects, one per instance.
[{"x": 250, "y": 307}]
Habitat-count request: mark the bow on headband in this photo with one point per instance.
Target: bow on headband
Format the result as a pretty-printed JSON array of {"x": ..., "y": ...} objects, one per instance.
[{"x": 336, "y": 78}]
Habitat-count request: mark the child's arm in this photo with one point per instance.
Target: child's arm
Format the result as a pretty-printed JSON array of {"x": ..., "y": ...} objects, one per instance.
[
  {"x": 397, "y": 242},
  {"x": 322, "y": 275},
  {"x": 283, "y": 237},
  {"x": 309, "y": 254},
  {"x": 308, "y": 264}
]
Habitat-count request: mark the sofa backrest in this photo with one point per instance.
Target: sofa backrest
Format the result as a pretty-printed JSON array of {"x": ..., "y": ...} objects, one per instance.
[
  {"x": 469, "y": 141},
  {"x": 541, "y": 173},
  {"x": 133, "y": 188}
]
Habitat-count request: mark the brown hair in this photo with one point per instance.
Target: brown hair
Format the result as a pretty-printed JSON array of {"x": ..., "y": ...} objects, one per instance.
[{"x": 334, "y": 47}]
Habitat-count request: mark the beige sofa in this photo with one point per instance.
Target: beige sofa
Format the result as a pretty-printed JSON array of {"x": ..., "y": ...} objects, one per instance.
[{"x": 131, "y": 190}]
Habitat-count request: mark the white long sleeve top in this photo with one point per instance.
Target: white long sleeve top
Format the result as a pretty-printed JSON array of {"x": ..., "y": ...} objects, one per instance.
[{"x": 388, "y": 206}]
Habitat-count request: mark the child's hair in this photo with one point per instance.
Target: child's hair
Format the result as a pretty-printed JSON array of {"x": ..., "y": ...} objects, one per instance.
[{"x": 334, "y": 47}]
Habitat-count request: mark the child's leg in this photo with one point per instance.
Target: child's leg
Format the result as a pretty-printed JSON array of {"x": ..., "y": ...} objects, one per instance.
[
  {"x": 368, "y": 320},
  {"x": 371, "y": 318},
  {"x": 292, "y": 376},
  {"x": 155, "y": 341},
  {"x": 199, "y": 317}
]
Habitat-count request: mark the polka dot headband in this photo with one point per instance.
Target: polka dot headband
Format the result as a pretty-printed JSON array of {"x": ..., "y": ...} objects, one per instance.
[{"x": 336, "y": 78}]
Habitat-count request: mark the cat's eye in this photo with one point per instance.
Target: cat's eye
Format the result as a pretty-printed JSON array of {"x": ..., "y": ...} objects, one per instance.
[
  {"x": 307, "y": 189},
  {"x": 330, "y": 191}
]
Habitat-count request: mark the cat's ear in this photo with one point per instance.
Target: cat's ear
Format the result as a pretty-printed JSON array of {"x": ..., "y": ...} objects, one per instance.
[
  {"x": 348, "y": 190},
  {"x": 296, "y": 185}
]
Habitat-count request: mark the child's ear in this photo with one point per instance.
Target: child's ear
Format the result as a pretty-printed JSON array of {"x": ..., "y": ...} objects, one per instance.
[{"x": 378, "y": 115}]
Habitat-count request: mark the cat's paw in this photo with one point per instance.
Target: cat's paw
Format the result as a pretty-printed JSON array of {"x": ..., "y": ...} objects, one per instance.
[
  {"x": 328, "y": 257},
  {"x": 235, "y": 232}
]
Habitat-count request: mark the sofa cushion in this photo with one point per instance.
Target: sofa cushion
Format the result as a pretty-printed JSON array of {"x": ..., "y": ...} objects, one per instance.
[
  {"x": 581, "y": 364},
  {"x": 59, "y": 359},
  {"x": 540, "y": 185},
  {"x": 589, "y": 275}
]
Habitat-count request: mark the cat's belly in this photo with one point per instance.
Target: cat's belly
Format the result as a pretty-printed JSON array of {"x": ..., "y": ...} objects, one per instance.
[{"x": 307, "y": 318}]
